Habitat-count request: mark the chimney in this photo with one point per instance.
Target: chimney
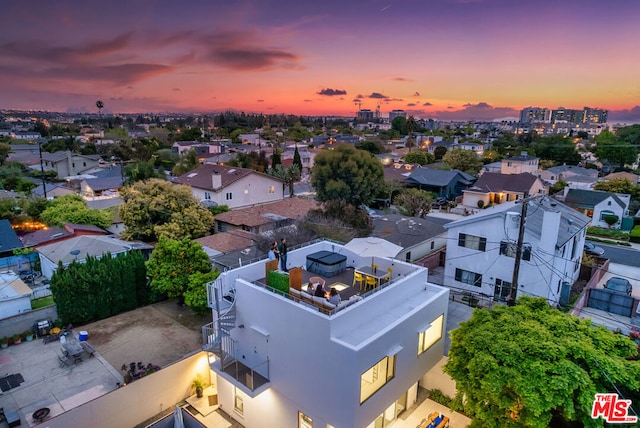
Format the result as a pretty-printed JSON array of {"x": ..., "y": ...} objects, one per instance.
[{"x": 216, "y": 180}]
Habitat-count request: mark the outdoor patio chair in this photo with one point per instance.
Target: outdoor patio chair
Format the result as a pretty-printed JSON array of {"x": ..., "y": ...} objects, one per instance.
[
  {"x": 371, "y": 283},
  {"x": 316, "y": 280},
  {"x": 358, "y": 278}
]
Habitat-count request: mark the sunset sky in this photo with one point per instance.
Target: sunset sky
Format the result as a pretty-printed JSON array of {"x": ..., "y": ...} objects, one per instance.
[{"x": 446, "y": 59}]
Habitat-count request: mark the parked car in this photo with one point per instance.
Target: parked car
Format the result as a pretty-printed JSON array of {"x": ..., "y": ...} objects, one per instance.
[
  {"x": 440, "y": 202},
  {"x": 592, "y": 249},
  {"x": 619, "y": 285}
]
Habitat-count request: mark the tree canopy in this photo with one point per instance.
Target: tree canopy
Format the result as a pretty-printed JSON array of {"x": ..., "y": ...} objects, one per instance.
[
  {"x": 73, "y": 209},
  {"x": 463, "y": 160},
  {"x": 522, "y": 365},
  {"x": 420, "y": 157},
  {"x": 348, "y": 174},
  {"x": 619, "y": 185},
  {"x": 157, "y": 208},
  {"x": 413, "y": 202},
  {"x": 557, "y": 148},
  {"x": 180, "y": 269},
  {"x": 611, "y": 148}
]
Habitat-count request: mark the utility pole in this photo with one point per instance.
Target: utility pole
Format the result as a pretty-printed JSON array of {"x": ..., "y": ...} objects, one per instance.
[
  {"x": 518, "y": 257},
  {"x": 44, "y": 185}
]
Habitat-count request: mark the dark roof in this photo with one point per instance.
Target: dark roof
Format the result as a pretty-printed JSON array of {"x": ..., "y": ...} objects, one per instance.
[
  {"x": 104, "y": 183},
  {"x": 109, "y": 171},
  {"x": 496, "y": 182},
  {"x": 574, "y": 169},
  {"x": 201, "y": 176},
  {"x": 581, "y": 198},
  {"x": 438, "y": 177},
  {"x": 8, "y": 238},
  {"x": 45, "y": 235},
  {"x": 406, "y": 231}
]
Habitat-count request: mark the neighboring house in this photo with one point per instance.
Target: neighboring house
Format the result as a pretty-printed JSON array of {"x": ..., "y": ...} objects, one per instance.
[
  {"x": 306, "y": 156},
  {"x": 27, "y": 154},
  {"x": 53, "y": 190},
  {"x": 55, "y": 234},
  {"x": 417, "y": 236},
  {"x": 227, "y": 242},
  {"x": 495, "y": 188},
  {"x": 215, "y": 185},
  {"x": 27, "y": 135},
  {"x": 519, "y": 164},
  {"x": 67, "y": 164},
  {"x": 221, "y": 158},
  {"x": 280, "y": 362},
  {"x": 597, "y": 204},
  {"x": 399, "y": 171},
  {"x": 203, "y": 150},
  {"x": 444, "y": 183},
  {"x": 80, "y": 247},
  {"x": 491, "y": 167},
  {"x": 478, "y": 148},
  {"x": 481, "y": 250},
  {"x": 15, "y": 295},
  {"x": 101, "y": 187},
  {"x": 263, "y": 218},
  {"x": 9, "y": 241},
  {"x": 576, "y": 177},
  {"x": 633, "y": 178}
]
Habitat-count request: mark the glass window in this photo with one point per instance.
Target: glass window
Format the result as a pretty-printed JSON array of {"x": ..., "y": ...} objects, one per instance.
[
  {"x": 468, "y": 277},
  {"x": 229, "y": 196},
  {"x": 304, "y": 421},
  {"x": 509, "y": 249},
  {"x": 272, "y": 189},
  {"x": 207, "y": 196},
  {"x": 238, "y": 402},
  {"x": 431, "y": 335},
  {"x": 472, "y": 241},
  {"x": 376, "y": 377}
]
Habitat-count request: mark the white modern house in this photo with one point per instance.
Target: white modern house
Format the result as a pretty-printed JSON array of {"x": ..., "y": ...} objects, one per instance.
[
  {"x": 15, "y": 295},
  {"x": 215, "y": 185},
  {"x": 519, "y": 164},
  {"x": 598, "y": 204},
  {"x": 481, "y": 250},
  {"x": 281, "y": 362}
]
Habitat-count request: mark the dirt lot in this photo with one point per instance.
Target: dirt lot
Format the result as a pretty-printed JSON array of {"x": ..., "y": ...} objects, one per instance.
[{"x": 160, "y": 334}]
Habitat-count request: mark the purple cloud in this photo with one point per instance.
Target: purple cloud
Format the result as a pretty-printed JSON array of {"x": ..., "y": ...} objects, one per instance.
[
  {"x": 479, "y": 111},
  {"x": 308, "y": 101},
  {"x": 631, "y": 115},
  {"x": 427, "y": 104},
  {"x": 332, "y": 92},
  {"x": 402, "y": 79},
  {"x": 259, "y": 101},
  {"x": 378, "y": 95},
  {"x": 411, "y": 105}
]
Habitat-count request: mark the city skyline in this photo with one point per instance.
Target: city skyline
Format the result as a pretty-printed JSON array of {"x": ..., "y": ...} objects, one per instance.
[{"x": 442, "y": 59}]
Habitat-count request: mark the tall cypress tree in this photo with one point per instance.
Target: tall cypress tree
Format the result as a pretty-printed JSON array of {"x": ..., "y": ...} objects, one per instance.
[{"x": 296, "y": 158}]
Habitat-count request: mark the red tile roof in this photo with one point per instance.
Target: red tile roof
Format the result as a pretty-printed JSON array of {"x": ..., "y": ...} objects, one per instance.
[
  {"x": 226, "y": 242},
  {"x": 294, "y": 208}
]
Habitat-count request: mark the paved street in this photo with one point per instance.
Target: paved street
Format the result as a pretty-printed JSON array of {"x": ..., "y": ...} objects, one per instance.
[{"x": 621, "y": 255}]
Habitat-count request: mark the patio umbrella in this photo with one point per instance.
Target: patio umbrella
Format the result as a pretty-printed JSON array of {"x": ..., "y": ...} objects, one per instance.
[
  {"x": 373, "y": 247},
  {"x": 177, "y": 418}
]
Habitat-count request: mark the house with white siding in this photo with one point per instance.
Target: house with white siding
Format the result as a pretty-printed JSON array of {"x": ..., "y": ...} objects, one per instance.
[
  {"x": 278, "y": 361},
  {"x": 481, "y": 250},
  {"x": 215, "y": 185}
]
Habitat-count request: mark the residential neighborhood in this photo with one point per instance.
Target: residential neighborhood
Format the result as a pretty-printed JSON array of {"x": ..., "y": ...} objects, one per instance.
[{"x": 327, "y": 263}]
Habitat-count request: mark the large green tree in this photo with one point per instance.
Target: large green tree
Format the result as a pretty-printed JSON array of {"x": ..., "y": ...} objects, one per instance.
[
  {"x": 557, "y": 148},
  {"x": 348, "y": 174},
  {"x": 619, "y": 185},
  {"x": 413, "y": 202},
  {"x": 463, "y": 160},
  {"x": 157, "y": 208},
  {"x": 171, "y": 267},
  {"x": 73, "y": 209},
  {"x": 611, "y": 148},
  {"x": 524, "y": 365},
  {"x": 420, "y": 157}
]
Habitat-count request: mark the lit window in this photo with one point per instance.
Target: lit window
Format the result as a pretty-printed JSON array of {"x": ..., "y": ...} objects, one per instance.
[
  {"x": 468, "y": 277},
  {"x": 472, "y": 241},
  {"x": 431, "y": 335},
  {"x": 238, "y": 403},
  {"x": 304, "y": 421},
  {"x": 376, "y": 377},
  {"x": 272, "y": 189},
  {"x": 246, "y": 191}
]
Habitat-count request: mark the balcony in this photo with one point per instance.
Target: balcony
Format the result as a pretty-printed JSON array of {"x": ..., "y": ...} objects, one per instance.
[{"x": 251, "y": 378}]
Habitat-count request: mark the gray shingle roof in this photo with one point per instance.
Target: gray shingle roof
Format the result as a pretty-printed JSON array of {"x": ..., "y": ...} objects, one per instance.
[
  {"x": 406, "y": 231},
  {"x": 571, "y": 221},
  {"x": 496, "y": 182},
  {"x": 8, "y": 238},
  {"x": 438, "y": 177},
  {"x": 581, "y": 198}
]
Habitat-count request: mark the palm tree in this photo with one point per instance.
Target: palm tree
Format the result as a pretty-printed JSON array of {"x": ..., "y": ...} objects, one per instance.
[
  {"x": 410, "y": 126},
  {"x": 100, "y": 106}
]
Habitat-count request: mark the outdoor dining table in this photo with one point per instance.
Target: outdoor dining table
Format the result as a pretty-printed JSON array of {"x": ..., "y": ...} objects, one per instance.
[
  {"x": 74, "y": 349},
  {"x": 378, "y": 274}
]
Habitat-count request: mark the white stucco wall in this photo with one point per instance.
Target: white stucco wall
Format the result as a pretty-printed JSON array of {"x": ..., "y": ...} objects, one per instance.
[{"x": 250, "y": 190}]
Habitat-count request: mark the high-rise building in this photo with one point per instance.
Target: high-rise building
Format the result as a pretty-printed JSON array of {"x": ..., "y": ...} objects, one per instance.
[
  {"x": 397, "y": 113},
  {"x": 535, "y": 114},
  {"x": 594, "y": 115},
  {"x": 586, "y": 115},
  {"x": 365, "y": 114}
]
